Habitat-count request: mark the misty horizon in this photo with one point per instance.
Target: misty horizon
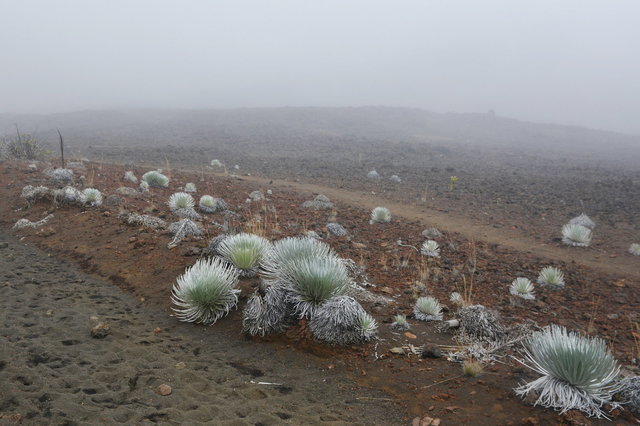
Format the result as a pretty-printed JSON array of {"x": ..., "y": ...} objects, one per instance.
[{"x": 573, "y": 63}]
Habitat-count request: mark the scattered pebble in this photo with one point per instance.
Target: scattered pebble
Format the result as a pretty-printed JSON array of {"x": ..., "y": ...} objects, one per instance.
[
  {"x": 100, "y": 331},
  {"x": 163, "y": 390}
]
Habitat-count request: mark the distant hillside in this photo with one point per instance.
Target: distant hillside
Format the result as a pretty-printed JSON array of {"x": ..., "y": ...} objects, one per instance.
[{"x": 319, "y": 125}]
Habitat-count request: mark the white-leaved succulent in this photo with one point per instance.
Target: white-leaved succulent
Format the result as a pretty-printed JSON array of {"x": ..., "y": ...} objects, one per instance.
[
  {"x": 400, "y": 322},
  {"x": 430, "y": 248},
  {"x": 427, "y": 309},
  {"x": 551, "y": 276},
  {"x": 209, "y": 204},
  {"x": 156, "y": 179},
  {"x": 92, "y": 197},
  {"x": 288, "y": 250},
  {"x": 190, "y": 187},
  {"x": 634, "y": 249},
  {"x": 245, "y": 251},
  {"x": 578, "y": 373},
  {"x": 205, "y": 292},
  {"x": 522, "y": 287},
  {"x": 130, "y": 177},
  {"x": 380, "y": 215},
  {"x": 576, "y": 235},
  {"x": 315, "y": 280}
]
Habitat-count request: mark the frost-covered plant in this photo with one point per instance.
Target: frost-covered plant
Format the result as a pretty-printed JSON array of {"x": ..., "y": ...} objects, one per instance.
[
  {"x": 244, "y": 251},
  {"x": 456, "y": 298},
  {"x": 315, "y": 280},
  {"x": 395, "y": 179},
  {"x": 91, "y": 196},
  {"x": 576, "y": 235},
  {"x": 336, "y": 229},
  {"x": 634, "y": 249},
  {"x": 341, "y": 320},
  {"x": 68, "y": 195},
  {"x": 60, "y": 175},
  {"x": 380, "y": 215},
  {"x": 182, "y": 204},
  {"x": 180, "y": 200},
  {"x": 630, "y": 393},
  {"x": 367, "y": 327},
  {"x": 287, "y": 251},
  {"x": 156, "y": 179},
  {"x": 550, "y": 276},
  {"x": 522, "y": 287},
  {"x": 130, "y": 177},
  {"x": 216, "y": 163},
  {"x": 430, "y": 248},
  {"x": 205, "y": 292},
  {"x": 373, "y": 175},
  {"x": 267, "y": 310},
  {"x": 190, "y": 187},
  {"x": 400, "y": 322},
  {"x": 583, "y": 220},
  {"x": 209, "y": 204},
  {"x": 427, "y": 309},
  {"x": 319, "y": 202},
  {"x": 33, "y": 194},
  {"x": 578, "y": 373}
]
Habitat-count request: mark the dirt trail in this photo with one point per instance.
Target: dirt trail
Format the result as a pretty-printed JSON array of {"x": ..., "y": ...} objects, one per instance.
[{"x": 509, "y": 238}]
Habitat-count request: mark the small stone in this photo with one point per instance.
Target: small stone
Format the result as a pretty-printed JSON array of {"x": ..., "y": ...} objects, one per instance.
[
  {"x": 431, "y": 351},
  {"x": 398, "y": 351},
  {"x": 181, "y": 365},
  {"x": 410, "y": 335},
  {"x": 100, "y": 331},
  {"x": 50, "y": 312},
  {"x": 163, "y": 390},
  {"x": 157, "y": 330},
  {"x": 4, "y": 245}
]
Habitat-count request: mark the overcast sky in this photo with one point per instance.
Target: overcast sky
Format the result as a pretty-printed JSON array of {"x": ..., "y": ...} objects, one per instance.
[{"x": 569, "y": 61}]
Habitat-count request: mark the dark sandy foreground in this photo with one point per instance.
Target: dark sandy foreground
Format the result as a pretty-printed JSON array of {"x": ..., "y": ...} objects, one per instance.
[{"x": 53, "y": 372}]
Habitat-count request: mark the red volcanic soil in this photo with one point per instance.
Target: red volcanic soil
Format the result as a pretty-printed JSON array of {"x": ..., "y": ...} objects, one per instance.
[{"x": 599, "y": 299}]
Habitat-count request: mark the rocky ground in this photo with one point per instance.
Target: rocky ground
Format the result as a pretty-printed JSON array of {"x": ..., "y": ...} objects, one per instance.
[{"x": 598, "y": 301}]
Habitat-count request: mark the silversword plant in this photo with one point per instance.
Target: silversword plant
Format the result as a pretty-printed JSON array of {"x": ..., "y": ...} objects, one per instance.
[
  {"x": 156, "y": 179},
  {"x": 427, "y": 309},
  {"x": 578, "y": 373},
  {"x": 380, "y": 215},
  {"x": 400, "y": 323},
  {"x": 430, "y": 248},
  {"x": 552, "y": 277},
  {"x": 522, "y": 287},
  {"x": 576, "y": 235},
  {"x": 245, "y": 251},
  {"x": 634, "y": 249},
  {"x": 205, "y": 292},
  {"x": 92, "y": 197}
]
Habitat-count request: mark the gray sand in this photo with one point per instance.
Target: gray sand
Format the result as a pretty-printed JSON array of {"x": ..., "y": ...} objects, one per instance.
[{"x": 53, "y": 372}]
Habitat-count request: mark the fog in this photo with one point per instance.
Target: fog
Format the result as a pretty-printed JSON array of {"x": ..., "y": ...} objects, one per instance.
[{"x": 573, "y": 62}]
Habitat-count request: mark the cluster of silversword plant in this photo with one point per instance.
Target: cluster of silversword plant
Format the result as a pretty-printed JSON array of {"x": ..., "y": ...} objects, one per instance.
[
  {"x": 578, "y": 231},
  {"x": 300, "y": 278}
]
